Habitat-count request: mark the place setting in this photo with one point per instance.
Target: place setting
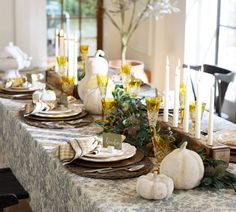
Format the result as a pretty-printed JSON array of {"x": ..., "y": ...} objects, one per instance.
[
  {"x": 106, "y": 157},
  {"x": 48, "y": 111}
]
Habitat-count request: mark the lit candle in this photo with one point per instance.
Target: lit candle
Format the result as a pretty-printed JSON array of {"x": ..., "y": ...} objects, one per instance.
[
  {"x": 167, "y": 73},
  {"x": 198, "y": 111},
  {"x": 76, "y": 47},
  {"x": 211, "y": 117},
  {"x": 176, "y": 100},
  {"x": 186, "y": 107}
]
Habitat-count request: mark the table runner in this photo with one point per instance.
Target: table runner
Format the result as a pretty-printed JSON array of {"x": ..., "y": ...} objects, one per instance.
[{"x": 27, "y": 149}]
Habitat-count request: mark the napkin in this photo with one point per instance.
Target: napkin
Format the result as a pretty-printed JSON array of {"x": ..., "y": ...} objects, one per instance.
[{"x": 76, "y": 148}]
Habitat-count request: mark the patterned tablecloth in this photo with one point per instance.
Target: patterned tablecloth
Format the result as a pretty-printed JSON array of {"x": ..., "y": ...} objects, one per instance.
[{"x": 52, "y": 188}]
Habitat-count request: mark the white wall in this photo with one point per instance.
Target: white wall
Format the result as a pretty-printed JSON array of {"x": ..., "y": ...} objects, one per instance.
[
  {"x": 7, "y": 31},
  {"x": 151, "y": 43},
  {"x": 24, "y": 23}
]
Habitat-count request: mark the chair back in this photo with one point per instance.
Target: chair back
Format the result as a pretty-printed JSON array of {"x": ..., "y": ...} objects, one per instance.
[{"x": 222, "y": 79}]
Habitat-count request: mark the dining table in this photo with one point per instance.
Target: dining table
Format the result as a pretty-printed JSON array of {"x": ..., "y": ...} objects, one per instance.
[{"x": 29, "y": 152}]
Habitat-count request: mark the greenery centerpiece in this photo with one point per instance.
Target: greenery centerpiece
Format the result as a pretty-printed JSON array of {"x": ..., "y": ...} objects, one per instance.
[{"x": 132, "y": 13}]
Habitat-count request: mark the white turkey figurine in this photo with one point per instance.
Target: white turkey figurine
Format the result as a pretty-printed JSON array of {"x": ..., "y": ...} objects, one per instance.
[
  {"x": 13, "y": 59},
  {"x": 88, "y": 89}
]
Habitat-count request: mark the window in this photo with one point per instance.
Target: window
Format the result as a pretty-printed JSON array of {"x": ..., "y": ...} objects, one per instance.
[
  {"x": 74, "y": 16},
  {"x": 226, "y": 34}
]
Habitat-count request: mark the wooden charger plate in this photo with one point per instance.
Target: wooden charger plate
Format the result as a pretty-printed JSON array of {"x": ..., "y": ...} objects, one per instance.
[{"x": 77, "y": 168}]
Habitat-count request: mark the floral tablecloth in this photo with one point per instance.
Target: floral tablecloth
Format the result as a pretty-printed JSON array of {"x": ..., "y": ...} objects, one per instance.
[{"x": 52, "y": 188}]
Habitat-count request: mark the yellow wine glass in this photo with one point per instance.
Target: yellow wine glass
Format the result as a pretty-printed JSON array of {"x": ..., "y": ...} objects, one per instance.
[
  {"x": 192, "y": 112},
  {"x": 102, "y": 81},
  {"x": 125, "y": 75},
  {"x": 153, "y": 105},
  {"x": 134, "y": 87}
]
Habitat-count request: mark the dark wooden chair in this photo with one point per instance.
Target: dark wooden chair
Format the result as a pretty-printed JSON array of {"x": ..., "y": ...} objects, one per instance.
[
  {"x": 195, "y": 68},
  {"x": 11, "y": 191},
  {"x": 222, "y": 79}
]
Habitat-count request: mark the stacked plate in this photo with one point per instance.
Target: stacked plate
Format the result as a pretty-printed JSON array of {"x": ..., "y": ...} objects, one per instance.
[
  {"x": 18, "y": 92},
  {"x": 105, "y": 155},
  {"x": 228, "y": 138},
  {"x": 60, "y": 114}
]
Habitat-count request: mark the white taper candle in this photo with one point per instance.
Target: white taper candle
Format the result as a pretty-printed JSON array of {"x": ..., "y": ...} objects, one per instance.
[
  {"x": 76, "y": 47},
  {"x": 71, "y": 44},
  {"x": 211, "y": 119},
  {"x": 198, "y": 112},
  {"x": 167, "y": 76},
  {"x": 176, "y": 97},
  {"x": 186, "y": 107}
]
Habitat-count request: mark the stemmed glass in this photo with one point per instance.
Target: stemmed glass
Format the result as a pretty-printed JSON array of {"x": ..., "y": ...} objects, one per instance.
[
  {"x": 153, "y": 106},
  {"x": 134, "y": 87},
  {"x": 192, "y": 111},
  {"x": 102, "y": 80},
  {"x": 126, "y": 76},
  {"x": 181, "y": 101}
]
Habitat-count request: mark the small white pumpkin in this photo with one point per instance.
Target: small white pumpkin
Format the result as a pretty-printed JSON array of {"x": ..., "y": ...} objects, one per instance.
[
  {"x": 44, "y": 96},
  {"x": 184, "y": 166},
  {"x": 153, "y": 186}
]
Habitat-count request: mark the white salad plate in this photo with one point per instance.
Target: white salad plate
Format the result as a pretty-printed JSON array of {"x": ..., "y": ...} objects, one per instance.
[
  {"x": 127, "y": 151},
  {"x": 59, "y": 113}
]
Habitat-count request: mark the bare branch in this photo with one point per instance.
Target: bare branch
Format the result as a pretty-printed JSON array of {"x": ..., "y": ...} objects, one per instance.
[
  {"x": 111, "y": 19},
  {"x": 132, "y": 17}
]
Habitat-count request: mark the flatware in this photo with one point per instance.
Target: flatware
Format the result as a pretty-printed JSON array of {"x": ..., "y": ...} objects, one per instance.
[
  {"x": 110, "y": 169},
  {"x": 130, "y": 169}
]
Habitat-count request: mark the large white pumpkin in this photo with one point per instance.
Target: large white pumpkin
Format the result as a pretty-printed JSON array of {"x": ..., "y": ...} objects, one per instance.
[
  {"x": 184, "y": 166},
  {"x": 153, "y": 186}
]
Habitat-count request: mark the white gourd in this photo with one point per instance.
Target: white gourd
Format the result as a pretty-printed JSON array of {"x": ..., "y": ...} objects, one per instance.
[
  {"x": 92, "y": 102},
  {"x": 184, "y": 166},
  {"x": 153, "y": 186},
  {"x": 93, "y": 66}
]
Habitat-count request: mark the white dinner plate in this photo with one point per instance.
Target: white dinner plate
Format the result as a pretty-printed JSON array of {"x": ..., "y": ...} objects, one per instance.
[
  {"x": 20, "y": 89},
  {"x": 105, "y": 153},
  {"x": 128, "y": 152},
  {"x": 226, "y": 137},
  {"x": 58, "y": 114}
]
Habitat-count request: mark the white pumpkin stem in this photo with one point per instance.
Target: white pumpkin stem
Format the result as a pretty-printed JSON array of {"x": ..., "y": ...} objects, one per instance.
[{"x": 183, "y": 146}]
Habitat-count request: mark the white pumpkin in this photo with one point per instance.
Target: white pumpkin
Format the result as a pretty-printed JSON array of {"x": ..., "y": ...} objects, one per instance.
[
  {"x": 153, "y": 186},
  {"x": 184, "y": 166},
  {"x": 93, "y": 66},
  {"x": 44, "y": 96},
  {"x": 92, "y": 101}
]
